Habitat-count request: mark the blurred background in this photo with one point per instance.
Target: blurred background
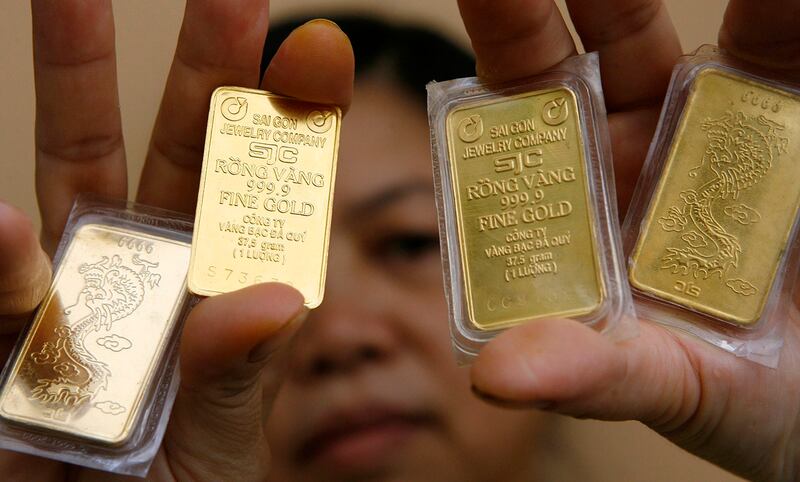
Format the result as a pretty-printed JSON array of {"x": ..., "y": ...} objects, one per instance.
[{"x": 146, "y": 34}]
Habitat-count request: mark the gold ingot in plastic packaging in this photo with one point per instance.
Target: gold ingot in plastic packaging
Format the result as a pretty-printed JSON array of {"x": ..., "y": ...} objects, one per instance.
[
  {"x": 524, "y": 210},
  {"x": 264, "y": 205},
  {"x": 716, "y": 232},
  {"x": 99, "y": 338}
]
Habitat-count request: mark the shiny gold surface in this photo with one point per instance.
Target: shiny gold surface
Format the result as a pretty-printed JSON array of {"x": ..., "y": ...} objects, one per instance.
[
  {"x": 97, "y": 338},
  {"x": 525, "y": 218},
  {"x": 264, "y": 206},
  {"x": 718, "y": 226}
]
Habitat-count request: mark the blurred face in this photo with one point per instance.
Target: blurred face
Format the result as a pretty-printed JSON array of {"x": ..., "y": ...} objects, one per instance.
[{"x": 372, "y": 391}]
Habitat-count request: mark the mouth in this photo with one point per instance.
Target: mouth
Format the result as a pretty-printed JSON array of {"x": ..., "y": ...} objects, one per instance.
[{"x": 363, "y": 438}]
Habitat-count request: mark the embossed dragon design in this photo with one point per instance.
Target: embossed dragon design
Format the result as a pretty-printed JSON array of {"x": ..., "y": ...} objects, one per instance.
[
  {"x": 68, "y": 374},
  {"x": 741, "y": 150}
]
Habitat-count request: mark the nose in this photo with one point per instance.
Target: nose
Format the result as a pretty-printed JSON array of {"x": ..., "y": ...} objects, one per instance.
[
  {"x": 335, "y": 344},
  {"x": 351, "y": 330}
]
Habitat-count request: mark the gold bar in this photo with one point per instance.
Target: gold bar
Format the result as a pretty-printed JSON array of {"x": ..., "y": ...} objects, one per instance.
[
  {"x": 98, "y": 338},
  {"x": 264, "y": 206},
  {"x": 718, "y": 226},
  {"x": 524, "y": 210}
]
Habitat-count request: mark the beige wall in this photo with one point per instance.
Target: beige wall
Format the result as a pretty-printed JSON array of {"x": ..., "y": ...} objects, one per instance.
[{"x": 146, "y": 32}]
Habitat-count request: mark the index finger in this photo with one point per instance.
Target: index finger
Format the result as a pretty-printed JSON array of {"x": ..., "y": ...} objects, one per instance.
[
  {"x": 638, "y": 48},
  {"x": 79, "y": 145},
  {"x": 764, "y": 32},
  {"x": 514, "y": 39}
]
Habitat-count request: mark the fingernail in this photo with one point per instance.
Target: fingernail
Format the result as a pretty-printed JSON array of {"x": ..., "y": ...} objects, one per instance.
[
  {"x": 512, "y": 404},
  {"x": 323, "y": 21},
  {"x": 264, "y": 350}
]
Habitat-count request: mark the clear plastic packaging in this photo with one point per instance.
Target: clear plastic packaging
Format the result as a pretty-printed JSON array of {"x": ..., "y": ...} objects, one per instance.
[
  {"x": 92, "y": 378},
  {"x": 527, "y": 209},
  {"x": 712, "y": 226}
]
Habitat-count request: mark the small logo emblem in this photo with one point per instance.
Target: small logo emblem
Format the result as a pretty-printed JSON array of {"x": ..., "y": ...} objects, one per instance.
[
  {"x": 234, "y": 108},
  {"x": 555, "y": 112},
  {"x": 471, "y": 128},
  {"x": 320, "y": 121}
]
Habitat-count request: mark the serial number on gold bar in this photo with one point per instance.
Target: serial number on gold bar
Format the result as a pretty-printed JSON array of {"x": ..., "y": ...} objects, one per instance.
[
  {"x": 524, "y": 213},
  {"x": 264, "y": 206},
  {"x": 99, "y": 336},
  {"x": 718, "y": 226}
]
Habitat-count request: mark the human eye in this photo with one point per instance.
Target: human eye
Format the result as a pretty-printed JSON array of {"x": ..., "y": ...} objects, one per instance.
[{"x": 406, "y": 247}]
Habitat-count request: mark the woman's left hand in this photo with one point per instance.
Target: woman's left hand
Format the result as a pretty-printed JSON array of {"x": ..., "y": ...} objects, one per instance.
[{"x": 739, "y": 415}]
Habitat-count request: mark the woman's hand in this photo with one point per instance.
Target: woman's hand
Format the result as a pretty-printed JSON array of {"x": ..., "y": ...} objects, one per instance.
[
  {"x": 739, "y": 415},
  {"x": 228, "y": 375}
]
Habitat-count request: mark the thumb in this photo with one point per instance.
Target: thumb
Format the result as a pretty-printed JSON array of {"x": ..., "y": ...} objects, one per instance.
[
  {"x": 216, "y": 430},
  {"x": 567, "y": 367},
  {"x": 24, "y": 268},
  {"x": 729, "y": 411}
]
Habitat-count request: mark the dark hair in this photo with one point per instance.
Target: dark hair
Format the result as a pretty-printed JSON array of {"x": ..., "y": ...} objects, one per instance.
[{"x": 411, "y": 55}]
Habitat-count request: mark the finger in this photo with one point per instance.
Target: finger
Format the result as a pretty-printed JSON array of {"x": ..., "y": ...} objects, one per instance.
[
  {"x": 637, "y": 43},
  {"x": 696, "y": 395},
  {"x": 216, "y": 429},
  {"x": 763, "y": 32},
  {"x": 220, "y": 43},
  {"x": 629, "y": 155},
  {"x": 24, "y": 268},
  {"x": 17, "y": 466},
  {"x": 79, "y": 146},
  {"x": 515, "y": 38},
  {"x": 314, "y": 63},
  {"x": 567, "y": 367}
]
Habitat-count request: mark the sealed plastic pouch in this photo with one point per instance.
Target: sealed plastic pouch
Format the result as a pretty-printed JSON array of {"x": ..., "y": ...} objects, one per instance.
[
  {"x": 92, "y": 378},
  {"x": 526, "y": 203},
  {"x": 713, "y": 222}
]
